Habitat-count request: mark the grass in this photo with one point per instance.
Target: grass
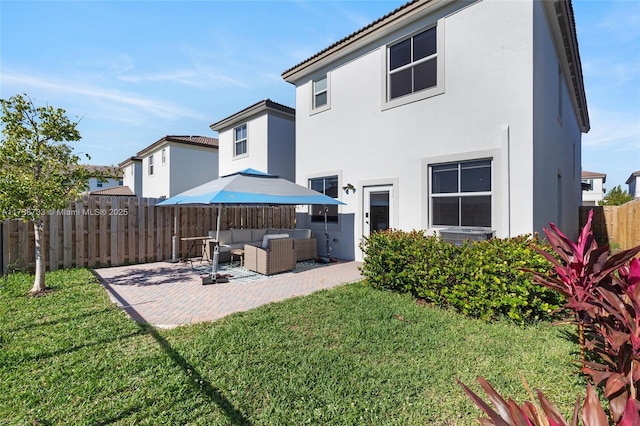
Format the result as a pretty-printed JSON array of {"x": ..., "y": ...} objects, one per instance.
[{"x": 348, "y": 356}]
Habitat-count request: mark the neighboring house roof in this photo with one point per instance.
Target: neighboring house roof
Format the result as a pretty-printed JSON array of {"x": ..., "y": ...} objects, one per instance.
[
  {"x": 92, "y": 168},
  {"x": 129, "y": 161},
  {"x": 202, "y": 141},
  {"x": 594, "y": 175},
  {"x": 562, "y": 10},
  {"x": 119, "y": 191},
  {"x": 633, "y": 176},
  {"x": 251, "y": 111}
]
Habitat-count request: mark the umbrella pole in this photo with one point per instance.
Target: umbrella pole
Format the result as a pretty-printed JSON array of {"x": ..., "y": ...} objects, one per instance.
[
  {"x": 174, "y": 238},
  {"x": 213, "y": 276}
]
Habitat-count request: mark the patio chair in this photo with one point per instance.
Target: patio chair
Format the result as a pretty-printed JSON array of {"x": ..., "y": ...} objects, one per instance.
[{"x": 279, "y": 256}]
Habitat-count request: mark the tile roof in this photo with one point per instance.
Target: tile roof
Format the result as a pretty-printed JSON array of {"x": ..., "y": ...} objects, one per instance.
[
  {"x": 354, "y": 36},
  {"x": 203, "y": 141},
  {"x": 258, "y": 107},
  {"x": 121, "y": 191},
  {"x": 633, "y": 175},
  {"x": 593, "y": 175}
]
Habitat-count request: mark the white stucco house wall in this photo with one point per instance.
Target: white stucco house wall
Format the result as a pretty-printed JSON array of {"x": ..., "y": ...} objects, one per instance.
[
  {"x": 95, "y": 184},
  {"x": 634, "y": 184},
  {"x": 132, "y": 174},
  {"x": 174, "y": 164},
  {"x": 261, "y": 136},
  {"x": 595, "y": 182},
  {"x": 445, "y": 113}
]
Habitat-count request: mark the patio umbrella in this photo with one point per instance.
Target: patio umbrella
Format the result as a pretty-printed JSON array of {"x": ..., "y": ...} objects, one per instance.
[{"x": 248, "y": 187}]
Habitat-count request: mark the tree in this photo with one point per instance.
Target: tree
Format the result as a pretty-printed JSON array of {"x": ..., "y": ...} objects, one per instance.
[
  {"x": 38, "y": 171},
  {"x": 615, "y": 197}
]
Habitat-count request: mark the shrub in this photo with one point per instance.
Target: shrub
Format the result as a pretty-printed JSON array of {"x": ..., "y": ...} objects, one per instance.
[{"x": 482, "y": 280}]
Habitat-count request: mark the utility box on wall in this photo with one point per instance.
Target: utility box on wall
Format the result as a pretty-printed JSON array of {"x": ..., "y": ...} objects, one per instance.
[{"x": 460, "y": 235}]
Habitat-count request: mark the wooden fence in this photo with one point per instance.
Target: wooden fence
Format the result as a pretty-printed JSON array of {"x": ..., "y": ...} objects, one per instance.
[
  {"x": 111, "y": 231},
  {"x": 618, "y": 226}
]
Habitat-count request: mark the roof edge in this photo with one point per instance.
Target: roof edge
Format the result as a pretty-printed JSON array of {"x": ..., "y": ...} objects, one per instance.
[
  {"x": 257, "y": 108},
  {"x": 176, "y": 139}
]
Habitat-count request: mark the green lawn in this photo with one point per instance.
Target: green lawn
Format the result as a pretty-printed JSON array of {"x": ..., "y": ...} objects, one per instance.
[{"x": 347, "y": 356}]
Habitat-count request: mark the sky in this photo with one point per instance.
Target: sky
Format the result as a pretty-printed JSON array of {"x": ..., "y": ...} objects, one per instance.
[{"x": 135, "y": 71}]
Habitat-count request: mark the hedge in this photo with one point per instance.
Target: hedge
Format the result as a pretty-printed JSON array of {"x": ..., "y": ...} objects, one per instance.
[{"x": 483, "y": 279}]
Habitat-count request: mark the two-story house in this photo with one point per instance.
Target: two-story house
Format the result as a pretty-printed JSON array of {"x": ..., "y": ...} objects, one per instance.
[
  {"x": 261, "y": 137},
  {"x": 174, "y": 164},
  {"x": 94, "y": 184},
  {"x": 594, "y": 192},
  {"x": 445, "y": 114},
  {"x": 132, "y": 174},
  {"x": 634, "y": 184}
]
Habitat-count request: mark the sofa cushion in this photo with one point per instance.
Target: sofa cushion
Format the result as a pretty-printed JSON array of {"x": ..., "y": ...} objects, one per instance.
[
  {"x": 301, "y": 234},
  {"x": 257, "y": 234},
  {"x": 225, "y": 237},
  {"x": 267, "y": 237},
  {"x": 241, "y": 235}
]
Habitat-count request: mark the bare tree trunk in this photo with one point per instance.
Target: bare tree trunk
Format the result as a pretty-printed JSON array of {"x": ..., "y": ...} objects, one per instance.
[{"x": 39, "y": 283}]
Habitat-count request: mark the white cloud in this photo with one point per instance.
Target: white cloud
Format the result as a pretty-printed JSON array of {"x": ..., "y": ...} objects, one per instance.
[
  {"x": 618, "y": 130},
  {"x": 97, "y": 94}
]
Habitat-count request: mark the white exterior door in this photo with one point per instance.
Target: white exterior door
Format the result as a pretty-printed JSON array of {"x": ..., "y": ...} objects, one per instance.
[{"x": 377, "y": 209}]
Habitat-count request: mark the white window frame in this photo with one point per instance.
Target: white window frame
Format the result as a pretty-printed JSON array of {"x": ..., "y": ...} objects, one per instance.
[
  {"x": 460, "y": 194},
  {"x": 245, "y": 140},
  {"x": 150, "y": 170},
  {"x": 314, "y": 108},
  {"x": 164, "y": 156},
  {"x": 337, "y": 197},
  {"x": 438, "y": 89}
]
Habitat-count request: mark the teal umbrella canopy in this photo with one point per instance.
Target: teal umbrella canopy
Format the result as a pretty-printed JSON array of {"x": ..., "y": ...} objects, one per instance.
[{"x": 250, "y": 187}]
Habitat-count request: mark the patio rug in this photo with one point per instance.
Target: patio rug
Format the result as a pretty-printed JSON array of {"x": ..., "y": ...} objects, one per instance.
[{"x": 242, "y": 275}]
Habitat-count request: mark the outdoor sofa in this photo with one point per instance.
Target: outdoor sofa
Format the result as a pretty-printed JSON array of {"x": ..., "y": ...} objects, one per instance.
[{"x": 304, "y": 241}]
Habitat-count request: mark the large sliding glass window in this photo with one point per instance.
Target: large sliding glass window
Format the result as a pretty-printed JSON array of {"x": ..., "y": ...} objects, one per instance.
[
  {"x": 329, "y": 186},
  {"x": 461, "y": 194}
]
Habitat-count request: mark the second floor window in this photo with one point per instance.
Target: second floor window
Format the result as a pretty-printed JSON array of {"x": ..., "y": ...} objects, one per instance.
[
  {"x": 150, "y": 165},
  {"x": 240, "y": 140},
  {"x": 320, "y": 93},
  {"x": 413, "y": 64},
  {"x": 164, "y": 155}
]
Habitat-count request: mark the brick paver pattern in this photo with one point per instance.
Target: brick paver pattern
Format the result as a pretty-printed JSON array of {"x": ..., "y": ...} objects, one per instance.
[{"x": 167, "y": 295}]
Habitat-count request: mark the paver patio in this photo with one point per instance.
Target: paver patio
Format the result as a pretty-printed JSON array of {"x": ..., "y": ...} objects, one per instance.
[{"x": 170, "y": 294}]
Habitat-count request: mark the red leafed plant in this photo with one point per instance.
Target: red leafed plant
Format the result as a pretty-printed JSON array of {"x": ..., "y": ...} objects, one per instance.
[
  {"x": 604, "y": 293},
  {"x": 581, "y": 268},
  {"x": 615, "y": 309},
  {"x": 510, "y": 413}
]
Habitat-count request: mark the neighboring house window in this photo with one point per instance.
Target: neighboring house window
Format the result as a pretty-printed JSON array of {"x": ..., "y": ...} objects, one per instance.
[
  {"x": 150, "y": 165},
  {"x": 164, "y": 155},
  {"x": 329, "y": 186},
  {"x": 590, "y": 182},
  {"x": 320, "y": 93},
  {"x": 413, "y": 64},
  {"x": 240, "y": 140},
  {"x": 99, "y": 184},
  {"x": 461, "y": 194},
  {"x": 120, "y": 182},
  {"x": 131, "y": 172}
]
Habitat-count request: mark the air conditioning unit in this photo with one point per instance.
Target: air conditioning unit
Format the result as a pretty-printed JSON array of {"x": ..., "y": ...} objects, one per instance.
[{"x": 462, "y": 235}]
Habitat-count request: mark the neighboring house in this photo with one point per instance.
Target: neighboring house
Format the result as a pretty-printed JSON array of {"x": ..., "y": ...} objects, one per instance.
[
  {"x": 595, "y": 192},
  {"x": 174, "y": 164},
  {"x": 96, "y": 184},
  {"x": 634, "y": 184},
  {"x": 132, "y": 174},
  {"x": 441, "y": 114},
  {"x": 262, "y": 137},
  {"x": 116, "y": 191}
]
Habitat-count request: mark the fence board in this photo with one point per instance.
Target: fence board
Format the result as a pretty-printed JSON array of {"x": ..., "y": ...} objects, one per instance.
[
  {"x": 618, "y": 226},
  {"x": 96, "y": 231}
]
